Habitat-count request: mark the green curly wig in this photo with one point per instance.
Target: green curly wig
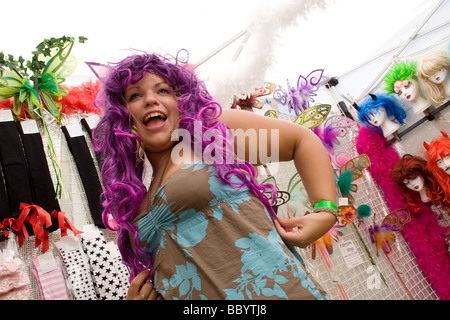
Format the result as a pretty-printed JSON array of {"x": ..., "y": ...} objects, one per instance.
[{"x": 402, "y": 70}]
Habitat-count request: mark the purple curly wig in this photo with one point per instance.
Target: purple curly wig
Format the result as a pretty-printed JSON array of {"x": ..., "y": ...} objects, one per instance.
[{"x": 122, "y": 174}]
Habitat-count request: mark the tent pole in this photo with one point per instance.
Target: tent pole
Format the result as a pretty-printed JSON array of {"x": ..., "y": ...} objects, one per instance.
[
  {"x": 223, "y": 46},
  {"x": 406, "y": 43},
  {"x": 238, "y": 52}
]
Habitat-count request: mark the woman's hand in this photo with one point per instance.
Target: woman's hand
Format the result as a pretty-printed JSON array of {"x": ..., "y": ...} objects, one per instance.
[
  {"x": 303, "y": 231},
  {"x": 141, "y": 289}
]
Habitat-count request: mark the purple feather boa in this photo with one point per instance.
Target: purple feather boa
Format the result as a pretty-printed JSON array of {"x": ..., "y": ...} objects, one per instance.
[{"x": 423, "y": 233}]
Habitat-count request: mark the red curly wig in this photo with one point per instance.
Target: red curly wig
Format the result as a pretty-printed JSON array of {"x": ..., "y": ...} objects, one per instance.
[
  {"x": 439, "y": 148},
  {"x": 409, "y": 167}
]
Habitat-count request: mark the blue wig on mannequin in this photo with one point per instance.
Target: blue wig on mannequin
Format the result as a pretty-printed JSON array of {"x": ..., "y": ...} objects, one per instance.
[{"x": 373, "y": 102}]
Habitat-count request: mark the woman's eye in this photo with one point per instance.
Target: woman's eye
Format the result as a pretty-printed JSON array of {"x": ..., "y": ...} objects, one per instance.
[
  {"x": 399, "y": 93},
  {"x": 164, "y": 91},
  {"x": 133, "y": 97}
]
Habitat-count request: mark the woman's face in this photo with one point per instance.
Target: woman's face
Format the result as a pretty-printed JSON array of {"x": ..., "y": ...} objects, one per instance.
[
  {"x": 439, "y": 77},
  {"x": 153, "y": 106},
  {"x": 406, "y": 90},
  {"x": 377, "y": 117},
  {"x": 415, "y": 184}
]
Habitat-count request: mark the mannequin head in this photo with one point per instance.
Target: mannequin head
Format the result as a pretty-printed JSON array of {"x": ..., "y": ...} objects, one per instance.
[
  {"x": 438, "y": 156},
  {"x": 412, "y": 175},
  {"x": 376, "y": 110},
  {"x": 401, "y": 80},
  {"x": 432, "y": 71}
]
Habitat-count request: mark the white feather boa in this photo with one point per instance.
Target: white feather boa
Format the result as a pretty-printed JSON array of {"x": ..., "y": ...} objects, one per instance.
[{"x": 266, "y": 22}]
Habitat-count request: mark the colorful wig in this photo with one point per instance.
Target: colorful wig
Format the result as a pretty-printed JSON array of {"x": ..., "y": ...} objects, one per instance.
[
  {"x": 427, "y": 67},
  {"x": 409, "y": 167},
  {"x": 403, "y": 70},
  {"x": 373, "y": 102},
  {"x": 121, "y": 169},
  {"x": 439, "y": 148}
]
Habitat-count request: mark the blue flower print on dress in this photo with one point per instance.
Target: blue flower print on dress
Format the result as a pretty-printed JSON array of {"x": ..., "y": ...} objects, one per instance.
[
  {"x": 191, "y": 228},
  {"x": 262, "y": 261},
  {"x": 186, "y": 279},
  {"x": 222, "y": 192}
]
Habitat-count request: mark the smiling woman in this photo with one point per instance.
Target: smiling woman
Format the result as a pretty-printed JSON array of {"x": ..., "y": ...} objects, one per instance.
[
  {"x": 153, "y": 107},
  {"x": 205, "y": 230}
]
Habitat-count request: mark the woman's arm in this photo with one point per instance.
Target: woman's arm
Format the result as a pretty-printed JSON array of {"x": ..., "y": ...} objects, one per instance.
[{"x": 293, "y": 142}]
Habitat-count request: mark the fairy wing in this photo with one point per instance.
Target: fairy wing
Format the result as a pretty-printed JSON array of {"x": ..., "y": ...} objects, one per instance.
[
  {"x": 268, "y": 88},
  {"x": 53, "y": 75},
  {"x": 13, "y": 85},
  {"x": 282, "y": 197},
  {"x": 356, "y": 166},
  {"x": 281, "y": 95},
  {"x": 338, "y": 125},
  {"x": 312, "y": 82},
  {"x": 308, "y": 85},
  {"x": 299, "y": 198},
  {"x": 56, "y": 63},
  {"x": 313, "y": 116},
  {"x": 332, "y": 128},
  {"x": 351, "y": 171},
  {"x": 382, "y": 235},
  {"x": 397, "y": 219}
]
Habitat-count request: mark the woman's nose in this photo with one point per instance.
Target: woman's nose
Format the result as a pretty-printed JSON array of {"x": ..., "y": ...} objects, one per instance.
[{"x": 151, "y": 98}]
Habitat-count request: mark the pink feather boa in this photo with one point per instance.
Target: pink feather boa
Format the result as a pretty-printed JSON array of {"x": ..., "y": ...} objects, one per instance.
[{"x": 425, "y": 236}]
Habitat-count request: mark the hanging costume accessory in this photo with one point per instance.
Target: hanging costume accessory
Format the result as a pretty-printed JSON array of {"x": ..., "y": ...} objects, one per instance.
[
  {"x": 84, "y": 162},
  {"x": 298, "y": 98},
  {"x": 326, "y": 206},
  {"x": 108, "y": 272},
  {"x": 38, "y": 95},
  {"x": 76, "y": 264}
]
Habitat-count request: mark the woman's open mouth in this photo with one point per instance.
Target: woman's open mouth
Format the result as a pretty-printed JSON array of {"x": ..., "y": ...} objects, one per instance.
[{"x": 154, "y": 119}]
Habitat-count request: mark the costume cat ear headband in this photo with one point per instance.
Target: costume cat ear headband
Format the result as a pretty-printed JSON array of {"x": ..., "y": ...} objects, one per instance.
[{"x": 98, "y": 69}]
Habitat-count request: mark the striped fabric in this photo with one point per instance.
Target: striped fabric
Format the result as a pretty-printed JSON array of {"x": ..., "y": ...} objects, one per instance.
[{"x": 51, "y": 284}]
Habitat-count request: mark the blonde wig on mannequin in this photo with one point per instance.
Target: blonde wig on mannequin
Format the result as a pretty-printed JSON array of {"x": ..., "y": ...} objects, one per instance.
[{"x": 427, "y": 67}]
